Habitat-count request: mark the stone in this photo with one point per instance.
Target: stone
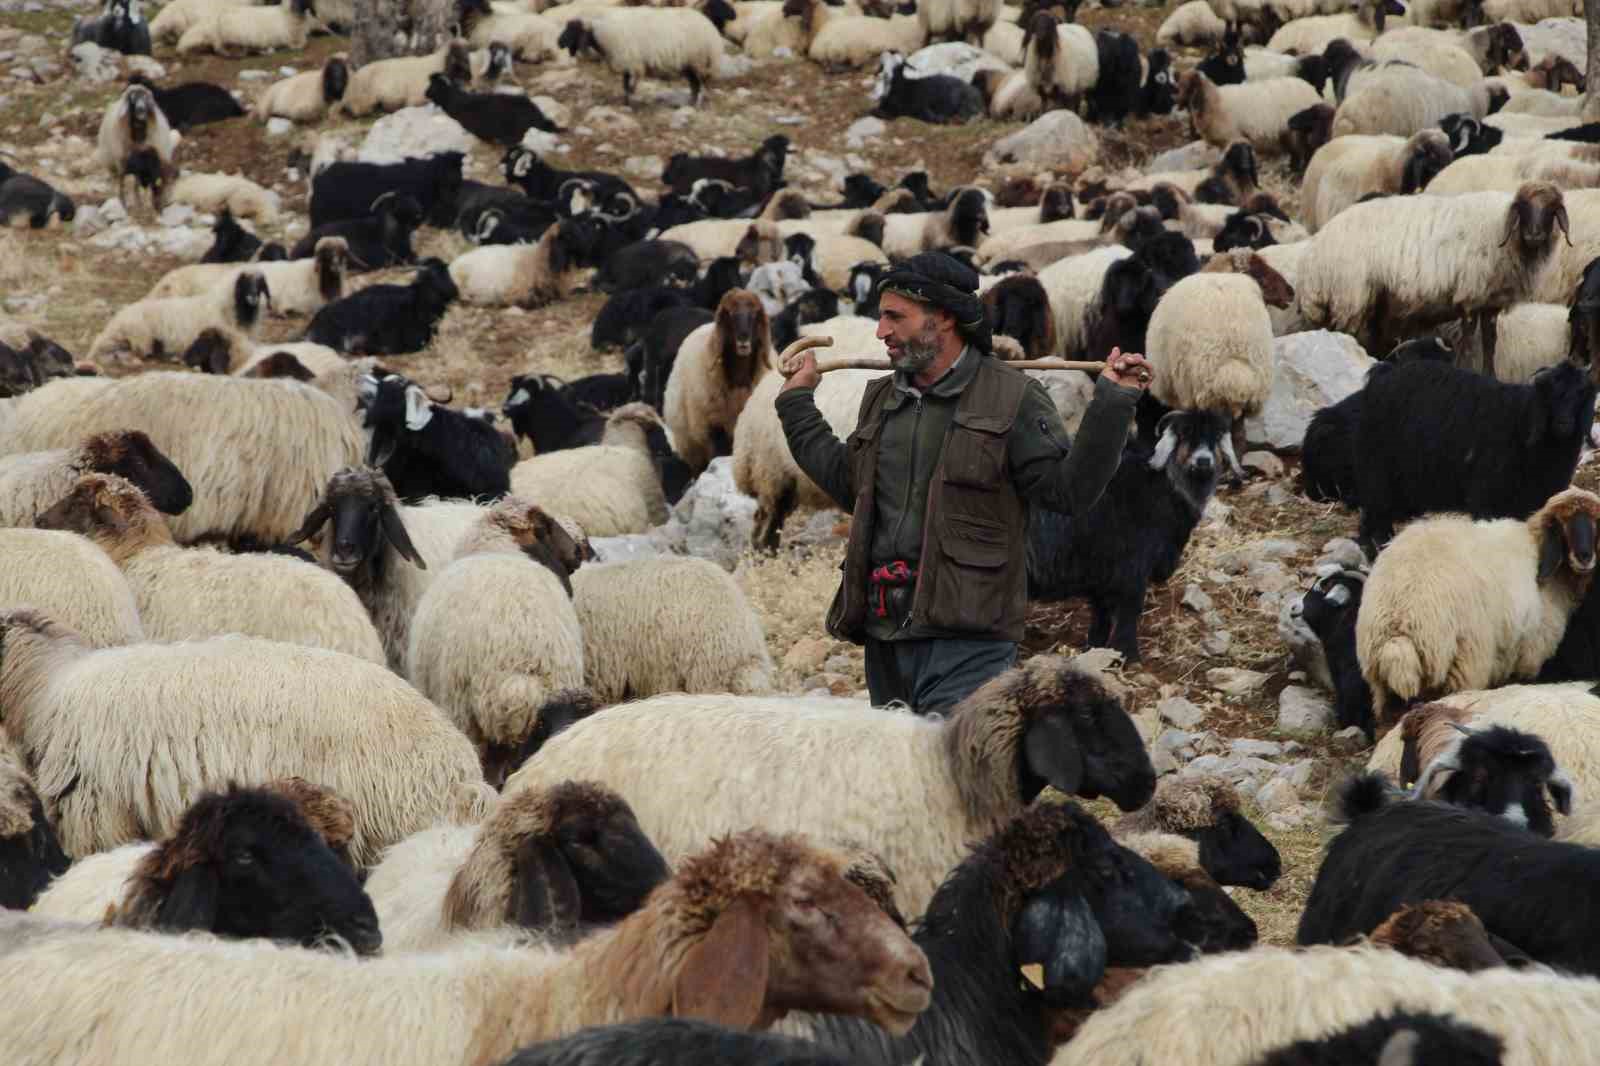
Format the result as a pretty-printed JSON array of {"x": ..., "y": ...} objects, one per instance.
[
  {"x": 1196, "y": 155},
  {"x": 1314, "y": 369},
  {"x": 177, "y": 214},
  {"x": 1278, "y": 496},
  {"x": 257, "y": 75},
  {"x": 413, "y": 131},
  {"x": 1303, "y": 644},
  {"x": 643, "y": 166},
  {"x": 1348, "y": 741},
  {"x": 90, "y": 62},
  {"x": 1195, "y": 598},
  {"x": 1342, "y": 552},
  {"x": 1264, "y": 463},
  {"x": 1056, "y": 139},
  {"x": 542, "y": 143},
  {"x": 610, "y": 121},
  {"x": 1236, "y": 682},
  {"x": 955, "y": 58},
  {"x": 87, "y": 221},
  {"x": 806, "y": 656},
  {"x": 113, "y": 211},
  {"x": 863, "y": 130},
  {"x": 1261, "y": 749},
  {"x": 1290, "y": 818},
  {"x": 1163, "y": 762},
  {"x": 1179, "y": 712},
  {"x": 278, "y": 127},
  {"x": 1175, "y": 741},
  {"x": 1148, "y": 723},
  {"x": 1299, "y": 773},
  {"x": 1217, "y": 643},
  {"x": 553, "y": 109},
  {"x": 1244, "y": 771},
  {"x": 1269, "y": 576},
  {"x": 1303, "y": 710},
  {"x": 628, "y": 546},
  {"x": 1277, "y": 795},
  {"x": 713, "y": 520},
  {"x": 1277, "y": 548}
]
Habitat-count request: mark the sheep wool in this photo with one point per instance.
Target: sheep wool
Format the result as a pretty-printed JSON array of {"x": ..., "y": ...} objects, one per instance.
[
  {"x": 73, "y": 580},
  {"x": 294, "y": 286},
  {"x": 608, "y": 489},
  {"x": 713, "y": 375},
  {"x": 1210, "y": 341},
  {"x": 1192, "y": 23},
  {"x": 1255, "y": 111},
  {"x": 165, "y": 328},
  {"x": 668, "y": 625},
  {"x": 657, "y": 42},
  {"x": 307, "y": 96},
  {"x": 211, "y": 193},
  {"x": 521, "y": 275}
]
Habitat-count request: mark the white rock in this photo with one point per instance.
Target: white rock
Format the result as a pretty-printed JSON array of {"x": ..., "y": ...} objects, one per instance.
[
  {"x": 541, "y": 142},
  {"x": 1261, "y": 749},
  {"x": 1277, "y": 795},
  {"x": 1314, "y": 369},
  {"x": 643, "y": 166},
  {"x": 87, "y": 221},
  {"x": 1264, "y": 463},
  {"x": 90, "y": 62},
  {"x": 1303, "y": 710},
  {"x": 955, "y": 58},
  {"x": 1179, "y": 712},
  {"x": 862, "y": 130},
  {"x": 1245, "y": 771},
  {"x": 1195, "y": 598},
  {"x": 628, "y": 546},
  {"x": 184, "y": 242},
  {"x": 277, "y": 127},
  {"x": 554, "y": 110},
  {"x": 713, "y": 520},
  {"x": 113, "y": 211},
  {"x": 1196, "y": 155},
  {"x": 1298, "y": 774},
  {"x": 1348, "y": 741},
  {"x": 1057, "y": 139},
  {"x": 177, "y": 215},
  {"x": 610, "y": 121},
  {"x": 257, "y": 75},
  {"x": 1269, "y": 575},
  {"x": 1236, "y": 682},
  {"x": 1217, "y": 643},
  {"x": 1342, "y": 552},
  {"x": 1303, "y": 644},
  {"x": 413, "y": 131}
]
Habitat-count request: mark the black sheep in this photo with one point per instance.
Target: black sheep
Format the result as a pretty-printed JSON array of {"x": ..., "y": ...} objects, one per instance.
[
  {"x": 30, "y": 855},
  {"x": 347, "y": 191},
  {"x": 540, "y": 409},
  {"x": 1529, "y": 891},
  {"x": 497, "y": 118},
  {"x": 720, "y": 199},
  {"x": 193, "y": 103},
  {"x": 916, "y": 183},
  {"x": 232, "y": 243},
  {"x": 121, "y": 28},
  {"x": 1135, "y": 533},
  {"x": 1470, "y": 136},
  {"x": 1117, "y": 90},
  {"x": 1329, "y": 609},
  {"x": 1019, "y": 307},
  {"x": 1160, "y": 93},
  {"x": 645, "y": 263},
  {"x": 1340, "y": 59},
  {"x": 659, "y": 348},
  {"x": 1497, "y": 770},
  {"x": 387, "y": 319},
  {"x": 1403, "y": 1038},
  {"x": 540, "y": 181},
  {"x": 426, "y": 449},
  {"x": 761, "y": 170},
  {"x": 1432, "y": 437},
  {"x": 1131, "y": 289},
  {"x": 809, "y": 308},
  {"x": 1583, "y": 319},
  {"x": 937, "y": 98},
  {"x": 626, "y": 315},
  {"x": 23, "y": 196},
  {"x": 31, "y": 364},
  {"x": 382, "y": 239}
]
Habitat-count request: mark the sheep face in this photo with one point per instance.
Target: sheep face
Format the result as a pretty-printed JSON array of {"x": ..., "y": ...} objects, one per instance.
[
  {"x": 211, "y": 352},
  {"x": 1564, "y": 405},
  {"x": 578, "y": 36},
  {"x": 1212, "y": 921},
  {"x": 1505, "y": 47},
  {"x": 1537, "y": 209},
  {"x": 1567, "y": 523},
  {"x": 1160, "y": 92},
  {"x": 1468, "y": 136},
  {"x": 1234, "y": 852},
  {"x": 1426, "y": 155},
  {"x": 1138, "y": 908},
  {"x": 1019, "y": 308},
  {"x": 335, "y": 80},
  {"x": 250, "y": 295},
  {"x": 1504, "y": 772},
  {"x": 246, "y": 863},
  {"x": 279, "y": 366},
  {"x": 969, "y": 218},
  {"x": 1243, "y": 231},
  {"x": 1055, "y": 203},
  {"x": 131, "y": 455},
  {"x": 1583, "y": 320},
  {"x": 612, "y": 862},
  {"x": 332, "y": 253},
  {"x": 30, "y": 851},
  {"x": 1076, "y": 738},
  {"x": 361, "y": 505}
]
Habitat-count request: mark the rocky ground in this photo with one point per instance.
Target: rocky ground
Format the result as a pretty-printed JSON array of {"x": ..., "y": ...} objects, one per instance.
[{"x": 1219, "y": 688}]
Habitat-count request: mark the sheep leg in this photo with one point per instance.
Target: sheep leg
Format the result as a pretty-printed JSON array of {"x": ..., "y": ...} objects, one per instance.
[
  {"x": 1100, "y": 628},
  {"x": 694, "y": 87},
  {"x": 1124, "y": 616},
  {"x": 1236, "y": 433},
  {"x": 770, "y": 520},
  {"x": 627, "y": 88}
]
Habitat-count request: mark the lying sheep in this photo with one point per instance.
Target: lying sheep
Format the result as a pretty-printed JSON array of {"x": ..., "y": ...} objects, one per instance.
[
  {"x": 840, "y": 39},
  {"x": 656, "y": 42},
  {"x": 1310, "y": 35},
  {"x": 1329, "y": 610},
  {"x": 559, "y": 862},
  {"x": 294, "y": 286},
  {"x": 954, "y": 776},
  {"x": 1192, "y": 23},
  {"x": 531, "y": 38},
  {"x": 610, "y": 488},
  {"x": 306, "y": 97},
  {"x": 1454, "y": 604},
  {"x": 1502, "y": 771},
  {"x": 193, "y": 593},
  {"x": 212, "y": 193},
  {"x": 166, "y": 327},
  {"x": 1346, "y": 170},
  {"x": 961, "y": 224},
  {"x": 1257, "y": 111},
  {"x": 1204, "y": 808},
  {"x": 725, "y": 939},
  {"x": 392, "y": 84},
  {"x": 712, "y": 377},
  {"x": 31, "y": 482},
  {"x": 30, "y": 851},
  {"x": 387, "y": 319},
  {"x": 668, "y": 625},
  {"x": 495, "y": 634},
  {"x": 1399, "y": 99},
  {"x": 27, "y": 200},
  {"x": 131, "y": 780},
  {"x": 249, "y": 29},
  {"x": 520, "y": 275},
  {"x": 294, "y": 889}
]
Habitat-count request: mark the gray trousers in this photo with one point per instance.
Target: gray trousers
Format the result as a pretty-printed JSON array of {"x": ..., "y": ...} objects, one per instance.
[{"x": 935, "y": 674}]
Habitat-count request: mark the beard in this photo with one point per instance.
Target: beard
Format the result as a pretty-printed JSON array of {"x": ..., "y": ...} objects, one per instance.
[{"x": 918, "y": 353}]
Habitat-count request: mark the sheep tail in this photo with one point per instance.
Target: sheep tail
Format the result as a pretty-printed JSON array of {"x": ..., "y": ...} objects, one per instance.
[
  {"x": 1235, "y": 386},
  {"x": 1398, "y": 664},
  {"x": 1361, "y": 795}
]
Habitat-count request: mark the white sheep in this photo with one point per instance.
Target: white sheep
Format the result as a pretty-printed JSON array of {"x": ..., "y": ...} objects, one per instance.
[
  {"x": 1531, "y": 11},
  {"x": 1073, "y": 286},
  {"x": 760, "y": 241},
  {"x": 1004, "y": 40},
  {"x": 1254, "y": 111},
  {"x": 1441, "y": 258},
  {"x": 518, "y": 275},
  {"x": 837, "y": 38},
  {"x": 495, "y": 634},
  {"x": 212, "y": 193},
  {"x": 1443, "y": 59},
  {"x": 307, "y": 96},
  {"x": 71, "y": 579},
  {"x": 392, "y": 84},
  {"x": 531, "y": 38},
  {"x": 31, "y": 481},
  {"x": 124, "y": 737},
  {"x": 1285, "y": 259},
  {"x": 245, "y": 30},
  {"x": 1400, "y": 99},
  {"x": 1310, "y": 36},
  {"x": 1009, "y": 94},
  {"x": 650, "y": 42},
  {"x": 166, "y": 327},
  {"x": 716, "y": 367},
  {"x": 131, "y": 121},
  {"x": 174, "y": 19},
  {"x": 193, "y": 593},
  {"x": 1061, "y": 61},
  {"x": 957, "y": 20},
  {"x": 257, "y": 453},
  {"x": 610, "y": 488},
  {"x": 1454, "y": 604},
  {"x": 1348, "y": 168},
  {"x": 294, "y": 286},
  {"x": 668, "y": 625},
  {"x": 961, "y": 224},
  {"x": 1528, "y": 338},
  {"x": 1562, "y": 165},
  {"x": 1192, "y": 23},
  {"x": 917, "y": 790}
]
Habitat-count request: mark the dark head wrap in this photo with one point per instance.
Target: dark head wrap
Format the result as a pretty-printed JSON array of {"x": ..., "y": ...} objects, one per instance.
[{"x": 943, "y": 281}]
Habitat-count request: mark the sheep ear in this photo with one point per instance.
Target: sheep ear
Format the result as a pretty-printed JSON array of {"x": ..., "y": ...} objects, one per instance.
[
  {"x": 1400, "y": 1049},
  {"x": 724, "y": 977},
  {"x": 314, "y": 521},
  {"x": 546, "y": 895},
  {"x": 395, "y": 530},
  {"x": 1052, "y": 753},
  {"x": 192, "y": 901},
  {"x": 1552, "y": 550},
  {"x": 1165, "y": 445},
  {"x": 1560, "y": 786}
]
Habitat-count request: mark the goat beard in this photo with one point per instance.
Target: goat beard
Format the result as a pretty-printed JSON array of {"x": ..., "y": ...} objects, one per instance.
[{"x": 918, "y": 353}]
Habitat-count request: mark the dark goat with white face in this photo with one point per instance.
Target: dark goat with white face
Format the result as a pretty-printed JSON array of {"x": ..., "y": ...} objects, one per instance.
[
  {"x": 1500, "y": 770},
  {"x": 1329, "y": 610}
]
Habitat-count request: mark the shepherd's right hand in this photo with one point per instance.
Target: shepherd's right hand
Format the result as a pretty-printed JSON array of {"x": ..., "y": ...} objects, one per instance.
[{"x": 802, "y": 372}]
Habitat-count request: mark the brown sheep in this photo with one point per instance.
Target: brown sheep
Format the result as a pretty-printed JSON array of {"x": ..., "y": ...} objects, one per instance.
[
  {"x": 717, "y": 367},
  {"x": 1442, "y": 933}
]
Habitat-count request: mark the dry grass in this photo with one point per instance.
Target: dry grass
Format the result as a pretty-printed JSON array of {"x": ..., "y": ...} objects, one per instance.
[{"x": 791, "y": 593}]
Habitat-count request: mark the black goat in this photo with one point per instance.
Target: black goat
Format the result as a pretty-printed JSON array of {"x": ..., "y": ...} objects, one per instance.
[
  {"x": 427, "y": 449},
  {"x": 1470, "y": 136},
  {"x": 937, "y": 98},
  {"x": 1160, "y": 93},
  {"x": 1432, "y": 437},
  {"x": 382, "y": 239},
  {"x": 626, "y": 315},
  {"x": 1120, "y": 86},
  {"x": 23, "y": 196},
  {"x": 524, "y": 168},
  {"x": 654, "y": 1041},
  {"x": 1403, "y": 1038},
  {"x": 30, "y": 850},
  {"x": 1329, "y": 609},
  {"x": 760, "y": 171},
  {"x": 1225, "y": 66},
  {"x": 540, "y": 409},
  {"x": 1525, "y": 889},
  {"x": 1135, "y": 532},
  {"x": 603, "y": 392},
  {"x": 476, "y": 200},
  {"x": 387, "y": 319},
  {"x": 801, "y": 250},
  {"x": 862, "y": 288},
  {"x": 1019, "y": 307},
  {"x": 659, "y": 348},
  {"x": 232, "y": 243},
  {"x": 1495, "y": 769},
  {"x": 497, "y": 118},
  {"x": 809, "y": 308},
  {"x": 347, "y": 191},
  {"x": 650, "y": 262},
  {"x": 121, "y": 28},
  {"x": 1131, "y": 289},
  {"x": 193, "y": 103}
]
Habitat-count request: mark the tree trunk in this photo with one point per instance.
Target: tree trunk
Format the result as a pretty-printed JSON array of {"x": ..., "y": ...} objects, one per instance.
[
  {"x": 1591, "y": 103},
  {"x": 382, "y": 25}
]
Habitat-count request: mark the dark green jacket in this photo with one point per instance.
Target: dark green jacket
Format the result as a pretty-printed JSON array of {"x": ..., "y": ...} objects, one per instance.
[{"x": 1042, "y": 465}]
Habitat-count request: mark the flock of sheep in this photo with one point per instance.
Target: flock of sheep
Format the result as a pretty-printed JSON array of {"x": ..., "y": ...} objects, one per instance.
[{"x": 337, "y": 730}]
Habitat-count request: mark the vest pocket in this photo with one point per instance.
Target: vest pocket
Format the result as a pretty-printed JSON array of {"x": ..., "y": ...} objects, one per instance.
[
  {"x": 971, "y": 591},
  {"x": 975, "y": 459}
]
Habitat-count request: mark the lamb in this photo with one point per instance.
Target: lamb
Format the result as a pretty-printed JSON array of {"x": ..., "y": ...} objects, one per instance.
[
  {"x": 653, "y": 626},
  {"x": 658, "y": 42},
  {"x": 30, "y": 852},
  {"x": 387, "y": 319},
  {"x": 1256, "y": 111},
  {"x": 73, "y": 580},
  {"x": 716, "y": 368},
  {"x": 130, "y": 122},
  {"x": 1329, "y": 609},
  {"x": 294, "y": 286},
  {"x": 31, "y": 482},
  {"x": 233, "y": 243},
  {"x": 306, "y": 97},
  {"x": 955, "y": 778},
  {"x": 495, "y": 118},
  {"x": 1442, "y": 258},
  {"x": 610, "y": 488},
  {"x": 291, "y": 887},
  {"x": 1414, "y": 637},
  {"x": 426, "y": 449},
  {"x": 1345, "y": 170},
  {"x": 132, "y": 779},
  {"x": 522, "y": 275},
  {"x": 1204, "y": 809},
  {"x": 559, "y": 861},
  {"x": 723, "y": 940},
  {"x": 1492, "y": 768},
  {"x": 1135, "y": 532},
  {"x": 495, "y": 634},
  {"x": 211, "y": 193},
  {"x": 193, "y": 593},
  {"x": 250, "y": 30},
  {"x": 1526, "y": 440},
  {"x": 156, "y": 328},
  {"x": 23, "y": 196},
  {"x": 938, "y": 98},
  {"x": 1400, "y": 99},
  {"x": 382, "y": 239},
  {"x": 346, "y": 190},
  {"x": 392, "y": 84}
]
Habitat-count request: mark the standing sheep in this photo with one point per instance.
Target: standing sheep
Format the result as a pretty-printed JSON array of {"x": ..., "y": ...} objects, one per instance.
[
  {"x": 610, "y": 488},
  {"x": 657, "y": 42},
  {"x": 668, "y": 625},
  {"x": 1345, "y": 170},
  {"x": 71, "y": 579},
  {"x": 31, "y": 482},
  {"x": 716, "y": 368},
  {"x": 133, "y": 121},
  {"x": 1400, "y": 99}
]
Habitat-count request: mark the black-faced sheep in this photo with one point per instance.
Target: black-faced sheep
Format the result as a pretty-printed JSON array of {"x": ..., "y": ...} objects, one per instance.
[
  {"x": 1132, "y": 288},
  {"x": 344, "y": 190},
  {"x": 32, "y": 481},
  {"x": 306, "y": 97},
  {"x": 193, "y": 103},
  {"x": 133, "y": 122},
  {"x": 1137, "y": 530},
  {"x": 165, "y": 328},
  {"x": 712, "y": 375},
  {"x": 427, "y": 449},
  {"x": 495, "y": 118},
  {"x": 387, "y": 319},
  {"x": 1256, "y": 111},
  {"x": 25, "y": 197},
  {"x": 938, "y": 98},
  {"x": 662, "y": 42},
  {"x": 1018, "y": 307},
  {"x": 1204, "y": 808},
  {"x": 380, "y": 240},
  {"x": 249, "y": 29},
  {"x": 524, "y": 275},
  {"x": 1330, "y": 609},
  {"x": 30, "y": 851}
]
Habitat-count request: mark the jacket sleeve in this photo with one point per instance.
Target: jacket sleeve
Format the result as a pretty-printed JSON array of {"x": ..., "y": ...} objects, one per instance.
[
  {"x": 824, "y": 457},
  {"x": 1063, "y": 475}
]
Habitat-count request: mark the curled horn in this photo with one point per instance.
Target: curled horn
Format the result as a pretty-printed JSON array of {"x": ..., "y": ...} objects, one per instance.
[{"x": 380, "y": 200}]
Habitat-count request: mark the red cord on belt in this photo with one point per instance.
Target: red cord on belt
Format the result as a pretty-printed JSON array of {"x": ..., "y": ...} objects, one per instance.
[{"x": 890, "y": 575}]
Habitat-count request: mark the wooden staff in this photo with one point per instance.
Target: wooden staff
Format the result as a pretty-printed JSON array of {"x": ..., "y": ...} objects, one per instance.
[{"x": 789, "y": 361}]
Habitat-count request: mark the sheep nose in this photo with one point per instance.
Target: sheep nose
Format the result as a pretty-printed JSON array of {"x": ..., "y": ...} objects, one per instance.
[{"x": 1204, "y": 464}]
